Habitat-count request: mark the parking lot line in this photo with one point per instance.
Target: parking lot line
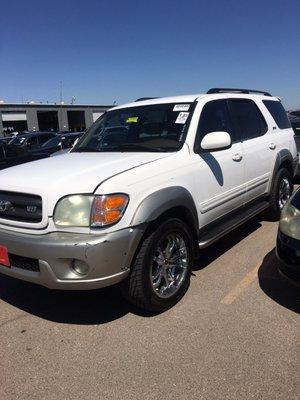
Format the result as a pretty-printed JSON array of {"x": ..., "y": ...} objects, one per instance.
[{"x": 241, "y": 286}]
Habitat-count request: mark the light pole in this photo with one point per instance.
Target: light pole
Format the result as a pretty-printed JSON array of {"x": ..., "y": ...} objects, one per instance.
[{"x": 61, "y": 97}]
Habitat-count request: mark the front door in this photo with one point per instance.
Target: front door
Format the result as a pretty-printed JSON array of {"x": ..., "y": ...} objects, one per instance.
[{"x": 219, "y": 176}]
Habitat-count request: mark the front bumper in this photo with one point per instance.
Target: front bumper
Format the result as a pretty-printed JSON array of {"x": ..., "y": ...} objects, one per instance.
[
  {"x": 288, "y": 254},
  {"x": 108, "y": 256}
]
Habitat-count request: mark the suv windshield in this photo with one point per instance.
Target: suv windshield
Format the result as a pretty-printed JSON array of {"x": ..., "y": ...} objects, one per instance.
[
  {"x": 18, "y": 140},
  {"x": 158, "y": 128}
]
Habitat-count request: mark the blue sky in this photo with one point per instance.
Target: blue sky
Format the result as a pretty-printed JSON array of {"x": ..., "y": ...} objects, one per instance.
[{"x": 107, "y": 51}]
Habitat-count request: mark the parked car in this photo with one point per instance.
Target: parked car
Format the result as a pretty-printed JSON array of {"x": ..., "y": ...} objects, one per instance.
[
  {"x": 6, "y": 139},
  {"x": 288, "y": 239},
  {"x": 135, "y": 206},
  {"x": 32, "y": 141},
  {"x": 294, "y": 117},
  {"x": 11, "y": 155},
  {"x": 295, "y": 121},
  {"x": 58, "y": 143}
]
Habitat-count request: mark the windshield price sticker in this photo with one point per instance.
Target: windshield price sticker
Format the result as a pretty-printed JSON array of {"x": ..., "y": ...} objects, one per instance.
[
  {"x": 132, "y": 120},
  {"x": 181, "y": 107},
  {"x": 182, "y": 117}
]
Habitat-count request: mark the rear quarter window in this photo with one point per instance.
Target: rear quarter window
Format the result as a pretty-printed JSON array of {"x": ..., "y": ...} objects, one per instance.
[{"x": 278, "y": 113}]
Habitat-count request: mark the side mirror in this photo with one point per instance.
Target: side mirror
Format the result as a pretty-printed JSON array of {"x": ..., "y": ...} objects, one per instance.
[{"x": 216, "y": 141}]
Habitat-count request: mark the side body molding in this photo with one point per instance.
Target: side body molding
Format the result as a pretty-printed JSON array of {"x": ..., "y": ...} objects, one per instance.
[{"x": 163, "y": 200}]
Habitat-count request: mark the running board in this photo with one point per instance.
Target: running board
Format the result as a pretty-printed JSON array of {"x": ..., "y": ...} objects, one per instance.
[{"x": 223, "y": 228}]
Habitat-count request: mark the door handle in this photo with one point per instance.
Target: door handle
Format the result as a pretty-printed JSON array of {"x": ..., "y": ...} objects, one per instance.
[
  {"x": 272, "y": 146},
  {"x": 237, "y": 157}
]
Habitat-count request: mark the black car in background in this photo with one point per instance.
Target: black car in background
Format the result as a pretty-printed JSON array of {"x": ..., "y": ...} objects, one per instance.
[
  {"x": 57, "y": 143},
  {"x": 294, "y": 117},
  {"x": 33, "y": 140},
  {"x": 11, "y": 155},
  {"x": 288, "y": 239},
  {"x": 6, "y": 139}
]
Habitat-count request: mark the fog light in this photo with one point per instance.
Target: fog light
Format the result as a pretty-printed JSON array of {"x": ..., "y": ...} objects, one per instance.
[{"x": 80, "y": 267}]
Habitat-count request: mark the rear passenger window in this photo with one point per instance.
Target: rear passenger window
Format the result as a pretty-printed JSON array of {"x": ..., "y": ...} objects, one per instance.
[
  {"x": 248, "y": 120},
  {"x": 45, "y": 138},
  {"x": 32, "y": 141},
  {"x": 277, "y": 111},
  {"x": 214, "y": 117}
]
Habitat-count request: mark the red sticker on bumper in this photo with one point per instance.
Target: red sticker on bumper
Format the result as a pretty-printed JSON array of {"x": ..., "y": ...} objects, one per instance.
[{"x": 4, "y": 259}]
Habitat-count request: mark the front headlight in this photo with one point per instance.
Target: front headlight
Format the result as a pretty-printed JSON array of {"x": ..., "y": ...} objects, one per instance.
[
  {"x": 74, "y": 210},
  {"x": 90, "y": 210},
  {"x": 290, "y": 221}
]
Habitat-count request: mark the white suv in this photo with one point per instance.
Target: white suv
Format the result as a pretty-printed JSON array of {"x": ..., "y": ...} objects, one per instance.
[{"x": 145, "y": 188}]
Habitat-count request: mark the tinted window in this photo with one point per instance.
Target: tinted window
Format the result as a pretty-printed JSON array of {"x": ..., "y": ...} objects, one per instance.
[
  {"x": 277, "y": 111},
  {"x": 32, "y": 141},
  {"x": 18, "y": 140},
  {"x": 214, "y": 117},
  {"x": 53, "y": 142},
  {"x": 248, "y": 120},
  {"x": 45, "y": 138}
]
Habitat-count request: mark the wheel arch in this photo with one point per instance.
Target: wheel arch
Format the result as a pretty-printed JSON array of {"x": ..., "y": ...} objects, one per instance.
[
  {"x": 284, "y": 159},
  {"x": 175, "y": 201}
]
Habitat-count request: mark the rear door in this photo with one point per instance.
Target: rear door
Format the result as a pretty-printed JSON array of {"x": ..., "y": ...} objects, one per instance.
[
  {"x": 254, "y": 132},
  {"x": 219, "y": 175},
  {"x": 282, "y": 134}
]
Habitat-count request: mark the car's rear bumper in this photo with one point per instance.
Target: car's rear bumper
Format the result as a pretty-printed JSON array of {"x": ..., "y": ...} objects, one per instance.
[
  {"x": 288, "y": 254},
  {"x": 47, "y": 259}
]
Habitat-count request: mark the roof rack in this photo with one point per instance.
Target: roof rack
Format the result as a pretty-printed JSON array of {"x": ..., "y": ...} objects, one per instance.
[
  {"x": 232, "y": 90},
  {"x": 145, "y": 98}
]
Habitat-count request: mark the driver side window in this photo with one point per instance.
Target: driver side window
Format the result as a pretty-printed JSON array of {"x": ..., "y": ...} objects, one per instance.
[
  {"x": 214, "y": 117},
  {"x": 32, "y": 142}
]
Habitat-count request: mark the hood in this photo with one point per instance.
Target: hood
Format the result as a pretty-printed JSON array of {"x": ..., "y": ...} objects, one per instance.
[{"x": 72, "y": 173}]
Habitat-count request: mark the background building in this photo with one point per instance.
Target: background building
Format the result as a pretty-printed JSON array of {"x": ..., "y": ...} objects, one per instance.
[{"x": 48, "y": 117}]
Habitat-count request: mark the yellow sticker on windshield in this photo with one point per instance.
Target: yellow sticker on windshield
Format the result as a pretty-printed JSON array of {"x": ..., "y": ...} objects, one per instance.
[{"x": 132, "y": 119}]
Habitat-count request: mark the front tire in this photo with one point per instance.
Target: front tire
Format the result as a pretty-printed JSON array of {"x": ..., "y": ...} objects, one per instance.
[{"x": 160, "y": 274}]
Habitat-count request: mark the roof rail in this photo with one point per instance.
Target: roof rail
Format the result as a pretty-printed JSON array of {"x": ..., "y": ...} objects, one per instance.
[
  {"x": 145, "y": 98},
  {"x": 232, "y": 90}
]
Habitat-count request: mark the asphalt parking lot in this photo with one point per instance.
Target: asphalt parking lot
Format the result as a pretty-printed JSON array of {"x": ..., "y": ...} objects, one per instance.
[{"x": 233, "y": 336}]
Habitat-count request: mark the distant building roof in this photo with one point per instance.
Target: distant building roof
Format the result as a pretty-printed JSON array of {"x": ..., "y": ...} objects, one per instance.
[{"x": 53, "y": 105}]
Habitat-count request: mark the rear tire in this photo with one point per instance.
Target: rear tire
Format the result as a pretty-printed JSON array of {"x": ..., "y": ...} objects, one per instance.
[
  {"x": 281, "y": 191},
  {"x": 160, "y": 273}
]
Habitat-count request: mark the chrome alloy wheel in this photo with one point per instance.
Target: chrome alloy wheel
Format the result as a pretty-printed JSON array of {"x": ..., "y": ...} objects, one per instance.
[
  {"x": 284, "y": 192},
  {"x": 169, "y": 265}
]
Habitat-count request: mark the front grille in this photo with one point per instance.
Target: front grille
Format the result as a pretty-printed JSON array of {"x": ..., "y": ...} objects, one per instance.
[
  {"x": 20, "y": 207},
  {"x": 29, "y": 264}
]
